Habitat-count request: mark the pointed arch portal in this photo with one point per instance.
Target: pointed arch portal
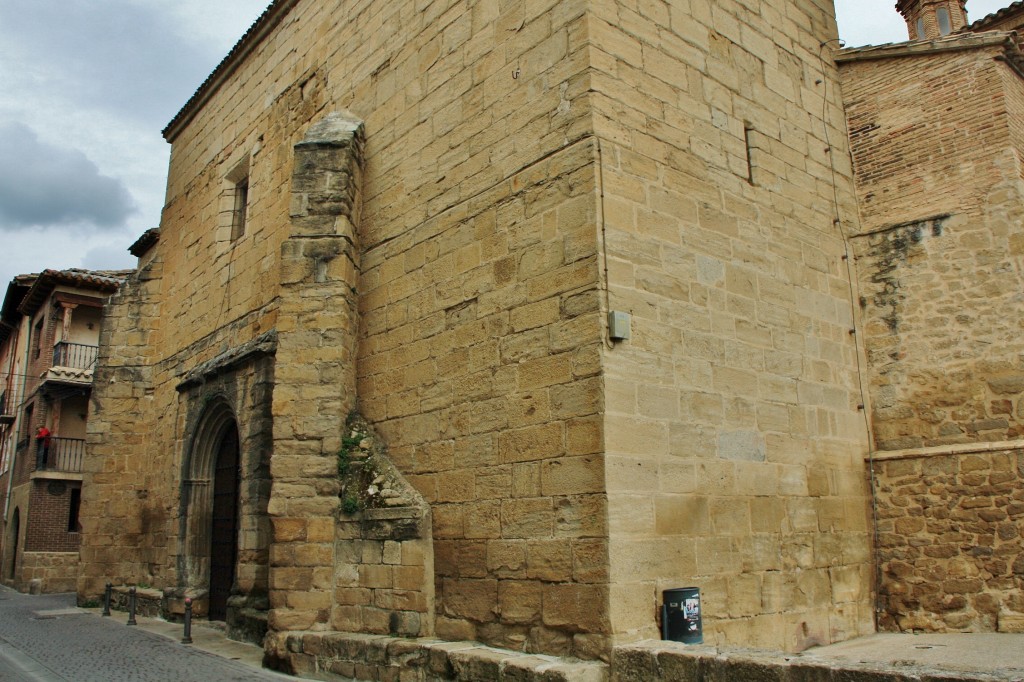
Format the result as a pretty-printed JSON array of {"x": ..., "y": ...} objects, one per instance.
[{"x": 211, "y": 507}]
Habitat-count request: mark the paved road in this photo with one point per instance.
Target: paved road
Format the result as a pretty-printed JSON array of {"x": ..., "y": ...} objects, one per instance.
[{"x": 46, "y": 639}]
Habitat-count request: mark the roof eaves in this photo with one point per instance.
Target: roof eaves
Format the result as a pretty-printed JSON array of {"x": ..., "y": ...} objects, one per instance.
[
  {"x": 996, "y": 16},
  {"x": 259, "y": 30},
  {"x": 145, "y": 242},
  {"x": 104, "y": 281},
  {"x": 917, "y": 48}
]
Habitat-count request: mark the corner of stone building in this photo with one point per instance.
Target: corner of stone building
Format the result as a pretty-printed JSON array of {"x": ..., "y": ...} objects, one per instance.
[{"x": 116, "y": 437}]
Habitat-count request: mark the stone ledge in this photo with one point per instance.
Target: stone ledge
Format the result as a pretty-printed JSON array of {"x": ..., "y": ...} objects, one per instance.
[
  {"x": 657, "y": 661},
  {"x": 354, "y": 656},
  {"x": 947, "y": 450}
]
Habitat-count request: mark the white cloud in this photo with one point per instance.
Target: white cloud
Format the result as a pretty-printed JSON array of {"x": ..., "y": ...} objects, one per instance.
[{"x": 874, "y": 22}]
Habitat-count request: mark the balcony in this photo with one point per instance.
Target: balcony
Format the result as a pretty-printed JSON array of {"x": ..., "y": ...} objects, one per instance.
[
  {"x": 6, "y": 410},
  {"x": 64, "y": 455},
  {"x": 75, "y": 355},
  {"x": 72, "y": 369}
]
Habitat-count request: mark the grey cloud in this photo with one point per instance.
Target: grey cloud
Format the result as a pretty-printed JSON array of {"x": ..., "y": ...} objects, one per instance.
[
  {"x": 41, "y": 184},
  {"x": 127, "y": 57}
]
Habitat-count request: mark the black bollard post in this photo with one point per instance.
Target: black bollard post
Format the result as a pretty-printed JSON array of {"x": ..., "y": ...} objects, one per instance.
[
  {"x": 106, "y": 599},
  {"x": 131, "y": 607},
  {"x": 187, "y": 639}
]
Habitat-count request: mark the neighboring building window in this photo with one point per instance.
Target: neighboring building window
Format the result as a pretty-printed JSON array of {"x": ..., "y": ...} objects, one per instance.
[
  {"x": 73, "y": 509},
  {"x": 26, "y": 425},
  {"x": 945, "y": 27},
  {"x": 39, "y": 338},
  {"x": 920, "y": 28},
  {"x": 241, "y": 203}
]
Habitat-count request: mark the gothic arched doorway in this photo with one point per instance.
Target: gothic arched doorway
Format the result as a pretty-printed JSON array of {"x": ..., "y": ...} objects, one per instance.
[
  {"x": 211, "y": 511},
  {"x": 224, "y": 529}
]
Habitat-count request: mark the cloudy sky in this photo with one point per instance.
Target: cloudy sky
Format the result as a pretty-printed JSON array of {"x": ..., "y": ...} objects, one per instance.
[{"x": 86, "y": 86}]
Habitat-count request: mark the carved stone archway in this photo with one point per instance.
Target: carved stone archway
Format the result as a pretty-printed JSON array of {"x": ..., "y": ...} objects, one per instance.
[{"x": 216, "y": 438}]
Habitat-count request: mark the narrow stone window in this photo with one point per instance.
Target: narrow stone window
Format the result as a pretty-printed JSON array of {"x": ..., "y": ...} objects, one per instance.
[
  {"x": 920, "y": 28},
  {"x": 945, "y": 26},
  {"x": 233, "y": 213},
  {"x": 748, "y": 138},
  {"x": 239, "y": 211}
]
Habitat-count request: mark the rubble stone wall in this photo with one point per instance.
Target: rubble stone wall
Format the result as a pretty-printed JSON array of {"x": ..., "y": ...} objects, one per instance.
[
  {"x": 55, "y": 571},
  {"x": 951, "y": 539}
]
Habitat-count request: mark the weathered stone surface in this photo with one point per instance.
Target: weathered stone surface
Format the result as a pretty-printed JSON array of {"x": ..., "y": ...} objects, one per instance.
[
  {"x": 948, "y": 558},
  {"x": 450, "y": 279}
]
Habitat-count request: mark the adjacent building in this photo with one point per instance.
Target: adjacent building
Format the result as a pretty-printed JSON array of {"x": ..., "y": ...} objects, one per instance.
[
  {"x": 937, "y": 135},
  {"x": 49, "y": 336}
]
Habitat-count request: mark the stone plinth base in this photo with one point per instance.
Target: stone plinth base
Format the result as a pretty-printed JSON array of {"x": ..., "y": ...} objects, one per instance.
[
  {"x": 353, "y": 656},
  {"x": 48, "y": 572},
  {"x": 672, "y": 662}
]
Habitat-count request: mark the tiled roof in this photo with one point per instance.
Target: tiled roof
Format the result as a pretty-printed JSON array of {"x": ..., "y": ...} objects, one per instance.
[
  {"x": 105, "y": 281},
  {"x": 952, "y": 42},
  {"x": 996, "y": 16},
  {"x": 66, "y": 375},
  {"x": 270, "y": 18},
  {"x": 145, "y": 242}
]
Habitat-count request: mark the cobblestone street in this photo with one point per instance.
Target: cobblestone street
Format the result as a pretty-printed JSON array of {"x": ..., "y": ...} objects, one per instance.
[{"x": 46, "y": 638}]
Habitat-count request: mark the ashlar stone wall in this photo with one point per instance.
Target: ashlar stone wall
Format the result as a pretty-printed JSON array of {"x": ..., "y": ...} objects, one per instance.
[
  {"x": 521, "y": 168},
  {"x": 733, "y": 439}
]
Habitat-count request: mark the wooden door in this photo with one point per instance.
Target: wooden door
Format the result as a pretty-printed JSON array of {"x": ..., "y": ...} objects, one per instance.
[{"x": 224, "y": 535}]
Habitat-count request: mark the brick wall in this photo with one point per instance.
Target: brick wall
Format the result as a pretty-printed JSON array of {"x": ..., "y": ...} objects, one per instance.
[{"x": 48, "y": 517}]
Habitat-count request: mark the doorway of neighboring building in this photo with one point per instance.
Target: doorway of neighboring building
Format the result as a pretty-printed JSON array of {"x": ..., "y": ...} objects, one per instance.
[
  {"x": 16, "y": 530},
  {"x": 224, "y": 531}
]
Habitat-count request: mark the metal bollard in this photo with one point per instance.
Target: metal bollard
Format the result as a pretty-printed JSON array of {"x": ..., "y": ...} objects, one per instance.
[
  {"x": 187, "y": 639},
  {"x": 131, "y": 607},
  {"x": 106, "y": 599}
]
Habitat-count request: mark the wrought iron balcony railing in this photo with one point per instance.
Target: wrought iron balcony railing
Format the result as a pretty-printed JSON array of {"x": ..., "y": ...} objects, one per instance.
[
  {"x": 62, "y": 454},
  {"x": 76, "y": 355}
]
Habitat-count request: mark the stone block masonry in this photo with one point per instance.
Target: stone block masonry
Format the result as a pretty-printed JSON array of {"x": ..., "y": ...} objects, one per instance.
[
  {"x": 446, "y": 198},
  {"x": 733, "y": 442}
]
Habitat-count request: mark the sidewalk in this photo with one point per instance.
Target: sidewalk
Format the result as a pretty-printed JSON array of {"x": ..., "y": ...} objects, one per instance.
[
  {"x": 205, "y": 637},
  {"x": 993, "y": 653},
  {"x": 47, "y": 639}
]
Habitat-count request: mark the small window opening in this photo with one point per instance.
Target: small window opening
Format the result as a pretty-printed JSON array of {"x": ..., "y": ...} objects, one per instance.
[
  {"x": 920, "y": 28},
  {"x": 239, "y": 213},
  {"x": 39, "y": 338},
  {"x": 73, "y": 510},
  {"x": 748, "y": 135},
  {"x": 945, "y": 27},
  {"x": 26, "y": 426}
]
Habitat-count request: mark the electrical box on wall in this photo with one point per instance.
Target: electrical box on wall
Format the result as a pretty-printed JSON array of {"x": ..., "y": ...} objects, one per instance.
[{"x": 618, "y": 325}]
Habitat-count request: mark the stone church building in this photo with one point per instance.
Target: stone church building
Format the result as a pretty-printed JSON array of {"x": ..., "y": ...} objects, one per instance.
[{"x": 493, "y": 320}]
